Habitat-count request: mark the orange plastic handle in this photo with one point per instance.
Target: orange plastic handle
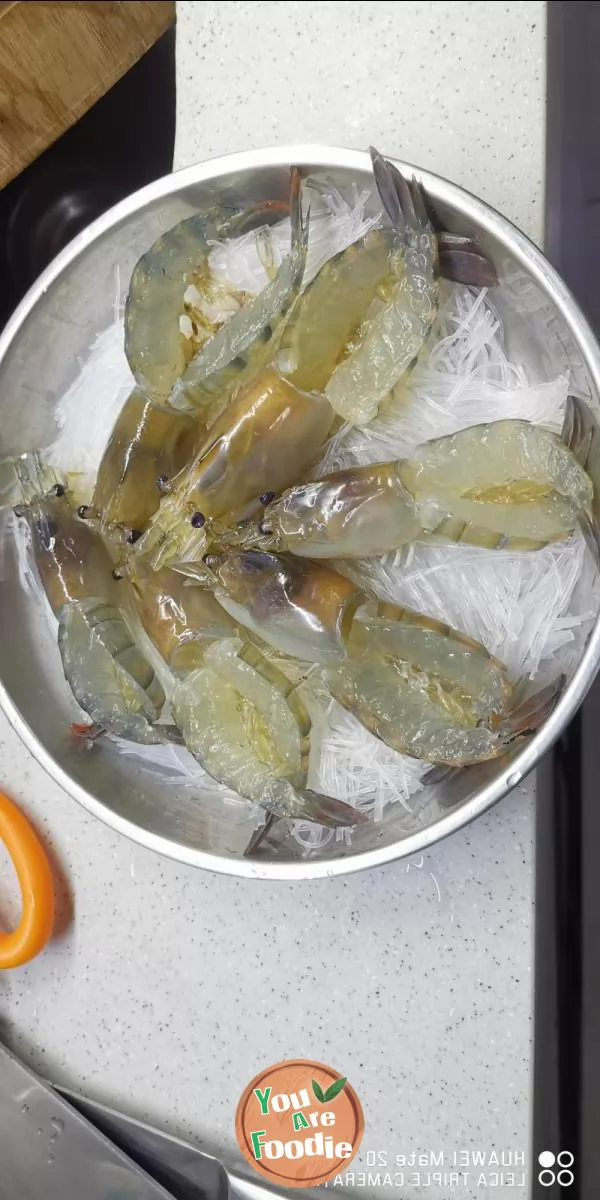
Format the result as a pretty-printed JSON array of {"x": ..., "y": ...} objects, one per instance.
[{"x": 37, "y": 890}]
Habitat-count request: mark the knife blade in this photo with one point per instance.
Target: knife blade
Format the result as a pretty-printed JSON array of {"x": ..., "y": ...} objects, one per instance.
[
  {"x": 48, "y": 1150},
  {"x": 187, "y": 1172}
]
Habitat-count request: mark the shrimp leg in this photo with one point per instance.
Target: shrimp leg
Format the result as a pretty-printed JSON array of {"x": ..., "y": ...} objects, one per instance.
[{"x": 108, "y": 675}]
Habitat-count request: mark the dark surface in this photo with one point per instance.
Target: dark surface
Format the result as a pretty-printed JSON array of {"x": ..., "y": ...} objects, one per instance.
[
  {"x": 567, "y": 966},
  {"x": 124, "y": 142},
  {"x": 184, "y": 1171}
]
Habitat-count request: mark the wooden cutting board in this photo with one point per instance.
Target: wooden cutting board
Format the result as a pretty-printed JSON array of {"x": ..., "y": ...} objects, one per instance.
[{"x": 57, "y": 59}]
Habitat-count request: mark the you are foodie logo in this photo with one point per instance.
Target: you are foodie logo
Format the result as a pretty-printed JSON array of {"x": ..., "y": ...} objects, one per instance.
[{"x": 299, "y": 1123}]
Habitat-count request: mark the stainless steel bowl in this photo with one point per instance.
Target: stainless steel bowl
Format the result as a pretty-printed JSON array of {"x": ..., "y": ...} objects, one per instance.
[{"x": 40, "y": 354}]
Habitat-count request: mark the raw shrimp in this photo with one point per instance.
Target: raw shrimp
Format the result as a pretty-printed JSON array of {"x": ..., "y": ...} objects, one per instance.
[
  {"x": 239, "y": 714},
  {"x": 108, "y": 675},
  {"x": 310, "y": 611},
  {"x": 249, "y": 340},
  {"x": 301, "y": 608},
  {"x": 415, "y": 713},
  {"x": 400, "y": 317},
  {"x": 445, "y": 682},
  {"x": 428, "y": 691},
  {"x": 146, "y": 442},
  {"x": 266, "y": 438},
  {"x": 509, "y": 484},
  {"x": 174, "y": 304},
  {"x": 249, "y": 729}
]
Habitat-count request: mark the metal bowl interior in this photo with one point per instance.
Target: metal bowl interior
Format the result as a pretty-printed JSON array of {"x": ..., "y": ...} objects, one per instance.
[{"x": 41, "y": 351}]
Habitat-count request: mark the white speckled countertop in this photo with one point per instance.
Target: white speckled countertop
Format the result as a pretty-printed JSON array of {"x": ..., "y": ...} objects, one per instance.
[{"x": 170, "y": 988}]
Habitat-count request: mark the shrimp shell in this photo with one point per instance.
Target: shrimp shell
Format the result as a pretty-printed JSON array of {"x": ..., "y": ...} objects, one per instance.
[
  {"x": 249, "y": 729},
  {"x": 506, "y": 484},
  {"x": 431, "y": 692},
  {"x": 156, "y": 349},
  {"x": 411, "y": 711},
  {"x": 301, "y": 608},
  {"x": 354, "y": 513},
  {"x": 109, "y": 676},
  {"x": 329, "y": 311},
  {"x": 267, "y": 436},
  {"x": 510, "y": 484},
  {"x": 107, "y": 673},
  {"x": 397, "y": 323},
  {"x": 428, "y": 645},
  {"x": 493, "y": 462},
  {"x": 181, "y": 621},
  {"x": 146, "y": 443},
  {"x": 249, "y": 340},
  {"x": 154, "y": 346}
]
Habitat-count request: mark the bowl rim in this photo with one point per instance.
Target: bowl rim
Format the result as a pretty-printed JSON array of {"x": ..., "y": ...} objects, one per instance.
[{"x": 324, "y": 157}]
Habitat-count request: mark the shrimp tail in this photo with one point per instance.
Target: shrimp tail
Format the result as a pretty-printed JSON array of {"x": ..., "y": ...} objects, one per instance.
[
  {"x": 404, "y": 202},
  {"x": 260, "y": 834},
  {"x": 465, "y": 264},
  {"x": 251, "y": 338},
  {"x": 578, "y": 428},
  {"x": 461, "y": 258},
  {"x": 524, "y": 719},
  {"x": 531, "y": 712},
  {"x": 86, "y": 733},
  {"x": 325, "y": 810},
  {"x": 579, "y": 434},
  {"x": 386, "y": 181}
]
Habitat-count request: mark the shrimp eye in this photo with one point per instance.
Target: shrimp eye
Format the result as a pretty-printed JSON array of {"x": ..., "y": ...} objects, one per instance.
[
  {"x": 47, "y": 530},
  {"x": 266, "y": 498},
  {"x": 133, "y": 536},
  {"x": 59, "y": 489},
  {"x": 162, "y": 483},
  {"x": 118, "y": 573},
  {"x": 198, "y": 520},
  {"x": 83, "y": 511}
]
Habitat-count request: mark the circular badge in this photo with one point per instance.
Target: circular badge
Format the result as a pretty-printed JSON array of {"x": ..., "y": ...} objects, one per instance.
[{"x": 299, "y": 1123}]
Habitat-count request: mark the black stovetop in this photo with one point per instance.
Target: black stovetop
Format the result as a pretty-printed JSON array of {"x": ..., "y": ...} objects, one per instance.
[
  {"x": 123, "y": 142},
  {"x": 567, "y": 968}
]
